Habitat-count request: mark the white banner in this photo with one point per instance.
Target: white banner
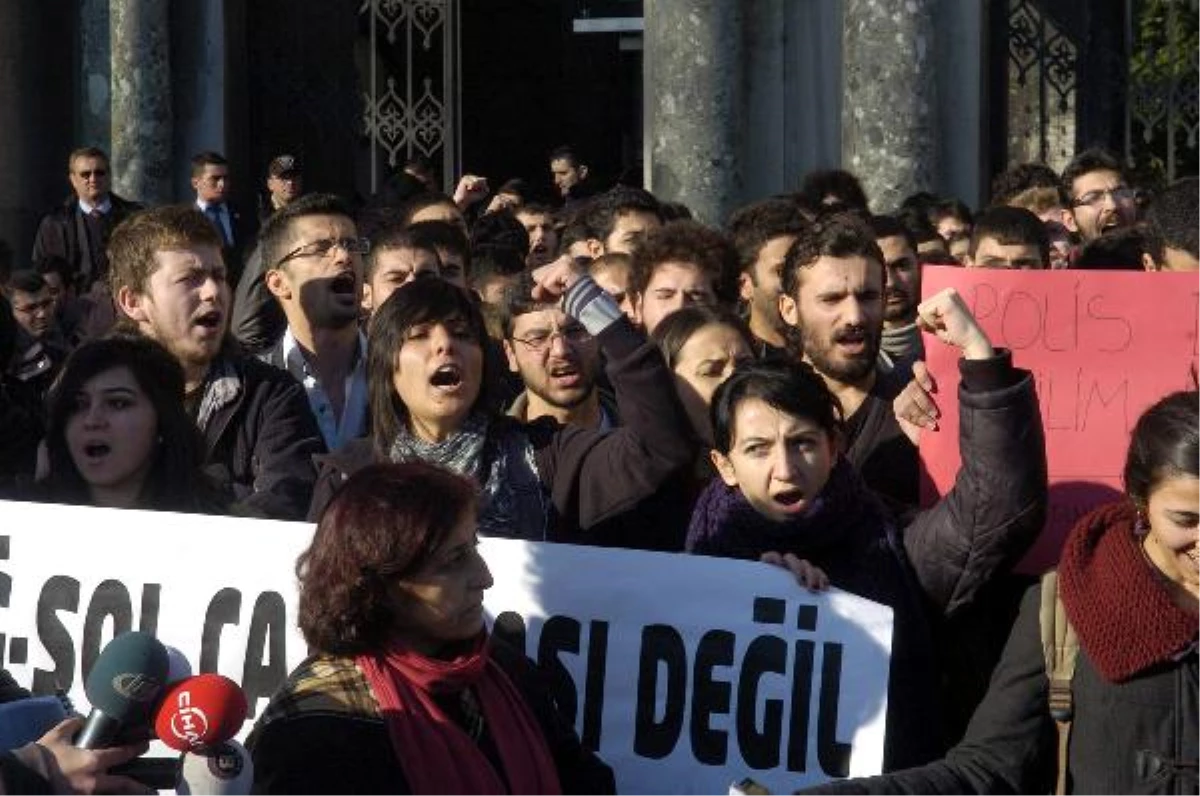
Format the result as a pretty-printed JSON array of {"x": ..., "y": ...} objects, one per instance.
[{"x": 686, "y": 673}]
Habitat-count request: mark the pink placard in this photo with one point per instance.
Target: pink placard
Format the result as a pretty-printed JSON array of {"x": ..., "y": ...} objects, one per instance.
[{"x": 1102, "y": 345}]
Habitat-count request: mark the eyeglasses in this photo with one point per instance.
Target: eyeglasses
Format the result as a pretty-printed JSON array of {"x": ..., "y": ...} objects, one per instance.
[
  {"x": 35, "y": 307},
  {"x": 539, "y": 340},
  {"x": 323, "y": 247},
  {"x": 87, "y": 175},
  {"x": 1122, "y": 193}
]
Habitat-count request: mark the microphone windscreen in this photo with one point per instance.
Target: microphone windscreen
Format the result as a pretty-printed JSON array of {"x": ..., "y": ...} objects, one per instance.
[
  {"x": 179, "y": 666},
  {"x": 127, "y": 677},
  {"x": 23, "y": 721},
  {"x": 201, "y": 711},
  {"x": 223, "y": 769}
]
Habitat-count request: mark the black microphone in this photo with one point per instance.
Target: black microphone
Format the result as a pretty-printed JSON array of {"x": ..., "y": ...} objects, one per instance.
[{"x": 123, "y": 688}]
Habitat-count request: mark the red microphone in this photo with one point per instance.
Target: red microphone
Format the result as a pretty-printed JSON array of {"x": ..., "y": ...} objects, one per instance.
[{"x": 199, "y": 712}]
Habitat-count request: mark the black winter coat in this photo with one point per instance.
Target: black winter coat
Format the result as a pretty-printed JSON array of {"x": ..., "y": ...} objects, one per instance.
[
  {"x": 937, "y": 565},
  {"x": 262, "y": 440}
]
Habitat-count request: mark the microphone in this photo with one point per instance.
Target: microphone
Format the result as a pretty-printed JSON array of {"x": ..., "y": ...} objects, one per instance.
[
  {"x": 200, "y": 712},
  {"x": 180, "y": 668},
  {"x": 226, "y": 768},
  {"x": 123, "y": 687}
]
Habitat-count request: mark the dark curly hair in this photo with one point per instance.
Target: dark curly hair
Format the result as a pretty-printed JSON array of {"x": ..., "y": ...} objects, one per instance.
[
  {"x": 382, "y": 526},
  {"x": 687, "y": 242}
]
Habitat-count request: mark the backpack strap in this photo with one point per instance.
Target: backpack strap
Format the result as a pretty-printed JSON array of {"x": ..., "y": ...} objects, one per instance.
[{"x": 1060, "y": 647}]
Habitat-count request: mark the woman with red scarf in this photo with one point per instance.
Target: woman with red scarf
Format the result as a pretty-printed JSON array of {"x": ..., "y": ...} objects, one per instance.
[
  {"x": 405, "y": 691},
  {"x": 1129, "y": 582}
]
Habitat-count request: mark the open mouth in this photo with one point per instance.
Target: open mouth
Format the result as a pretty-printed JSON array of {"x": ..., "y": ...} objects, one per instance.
[
  {"x": 96, "y": 450},
  {"x": 446, "y": 377},
  {"x": 210, "y": 320},
  {"x": 789, "y": 497},
  {"x": 855, "y": 341},
  {"x": 344, "y": 284}
]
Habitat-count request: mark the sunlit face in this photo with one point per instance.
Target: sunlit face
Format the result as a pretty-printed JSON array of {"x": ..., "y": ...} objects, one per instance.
[
  {"x": 184, "y": 305},
  {"x": 543, "y": 238},
  {"x": 839, "y": 311},
  {"x": 629, "y": 229},
  {"x": 442, "y": 603},
  {"x": 1179, "y": 260},
  {"x": 111, "y": 433},
  {"x": 1101, "y": 201},
  {"x": 395, "y": 268},
  {"x": 779, "y": 462},
  {"x": 991, "y": 253},
  {"x": 1172, "y": 511},
  {"x": 673, "y": 286},
  {"x": 903, "y": 290},
  {"x": 950, "y": 227},
  {"x": 704, "y": 362},
  {"x": 212, "y": 184},
  {"x": 614, "y": 280},
  {"x": 555, "y": 357},
  {"x": 322, "y": 291},
  {"x": 438, "y": 375},
  {"x": 90, "y": 179},
  {"x": 762, "y": 291}
]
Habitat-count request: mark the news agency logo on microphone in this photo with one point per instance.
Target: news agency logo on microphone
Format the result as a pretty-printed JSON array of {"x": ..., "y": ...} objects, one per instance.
[
  {"x": 137, "y": 686},
  {"x": 225, "y": 763},
  {"x": 189, "y": 723}
]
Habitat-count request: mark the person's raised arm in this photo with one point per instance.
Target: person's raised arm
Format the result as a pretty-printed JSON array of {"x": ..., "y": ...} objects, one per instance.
[
  {"x": 594, "y": 475},
  {"x": 997, "y": 505}
]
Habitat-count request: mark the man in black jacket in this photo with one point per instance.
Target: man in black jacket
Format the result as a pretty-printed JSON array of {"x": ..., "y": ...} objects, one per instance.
[
  {"x": 169, "y": 280},
  {"x": 79, "y": 229}
]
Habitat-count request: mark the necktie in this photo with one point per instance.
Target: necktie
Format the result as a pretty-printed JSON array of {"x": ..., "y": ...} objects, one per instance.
[{"x": 214, "y": 214}]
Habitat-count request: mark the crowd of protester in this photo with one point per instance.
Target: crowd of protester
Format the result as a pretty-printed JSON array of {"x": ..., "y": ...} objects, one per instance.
[{"x": 599, "y": 368}]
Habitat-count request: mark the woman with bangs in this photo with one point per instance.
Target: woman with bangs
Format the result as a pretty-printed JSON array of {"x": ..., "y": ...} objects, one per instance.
[{"x": 540, "y": 480}]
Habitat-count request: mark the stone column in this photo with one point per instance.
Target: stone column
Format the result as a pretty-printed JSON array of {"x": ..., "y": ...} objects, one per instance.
[
  {"x": 889, "y": 105},
  {"x": 694, "y": 104},
  {"x": 141, "y": 100},
  {"x": 95, "y": 74}
]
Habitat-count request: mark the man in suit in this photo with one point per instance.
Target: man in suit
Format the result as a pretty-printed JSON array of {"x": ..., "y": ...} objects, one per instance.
[
  {"x": 78, "y": 230},
  {"x": 210, "y": 181}
]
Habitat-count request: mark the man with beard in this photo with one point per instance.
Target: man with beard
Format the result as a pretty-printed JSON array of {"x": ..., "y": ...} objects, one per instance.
[
  {"x": 834, "y": 292},
  {"x": 762, "y": 233},
  {"x": 315, "y": 272},
  {"x": 169, "y": 281},
  {"x": 901, "y": 338},
  {"x": 1101, "y": 199},
  {"x": 557, "y": 360}
]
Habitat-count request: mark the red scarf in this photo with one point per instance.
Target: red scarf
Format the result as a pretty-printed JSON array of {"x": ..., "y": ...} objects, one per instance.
[
  {"x": 1126, "y": 620},
  {"x": 436, "y": 754}
]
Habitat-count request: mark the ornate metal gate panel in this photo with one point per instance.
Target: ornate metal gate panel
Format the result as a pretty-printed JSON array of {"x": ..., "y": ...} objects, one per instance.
[
  {"x": 412, "y": 68},
  {"x": 1161, "y": 118},
  {"x": 1042, "y": 64},
  {"x": 1069, "y": 74}
]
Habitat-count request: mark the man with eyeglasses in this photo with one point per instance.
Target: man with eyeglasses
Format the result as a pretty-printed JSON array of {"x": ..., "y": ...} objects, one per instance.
[
  {"x": 557, "y": 359},
  {"x": 169, "y": 281},
  {"x": 314, "y": 261},
  {"x": 39, "y": 349},
  {"x": 79, "y": 229},
  {"x": 1101, "y": 200}
]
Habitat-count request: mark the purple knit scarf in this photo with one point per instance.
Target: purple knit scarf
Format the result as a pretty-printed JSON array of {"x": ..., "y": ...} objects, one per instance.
[{"x": 725, "y": 524}]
